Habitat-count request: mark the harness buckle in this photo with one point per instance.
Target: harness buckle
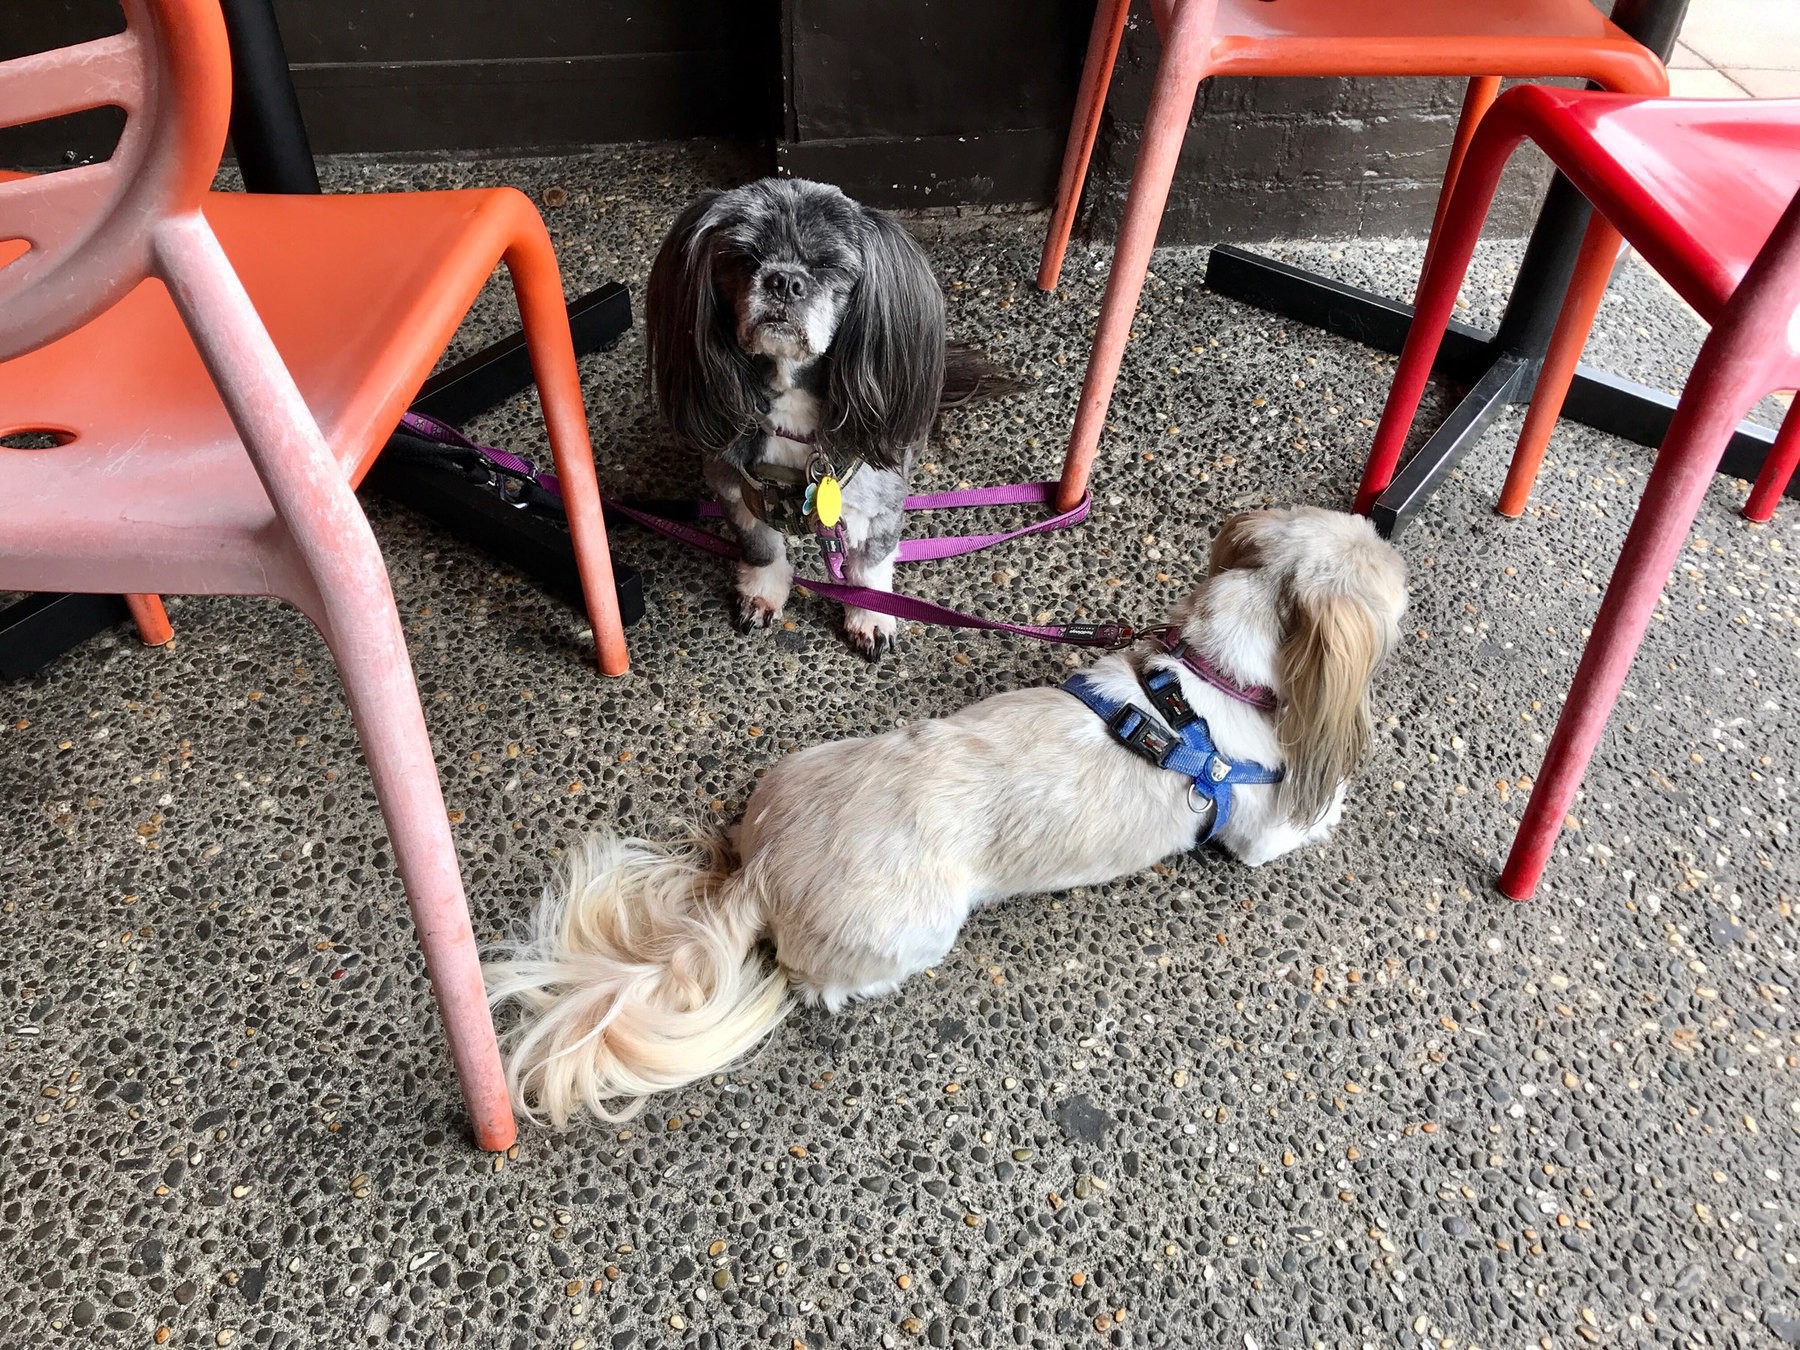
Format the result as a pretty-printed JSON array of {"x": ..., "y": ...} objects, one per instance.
[
  {"x": 1166, "y": 694},
  {"x": 1137, "y": 732}
]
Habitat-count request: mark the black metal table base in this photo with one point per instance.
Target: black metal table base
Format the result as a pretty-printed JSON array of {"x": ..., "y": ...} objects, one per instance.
[
  {"x": 1497, "y": 378},
  {"x": 1499, "y": 369},
  {"x": 523, "y": 539},
  {"x": 36, "y": 630}
]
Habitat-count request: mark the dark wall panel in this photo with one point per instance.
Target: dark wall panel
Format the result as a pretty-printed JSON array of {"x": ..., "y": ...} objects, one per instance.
[
  {"x": 931, "y": 67},
  {"x": 932, "y": 101},
  {"x": 522, "y": 104},
  {"x": 379, "y": 75}
]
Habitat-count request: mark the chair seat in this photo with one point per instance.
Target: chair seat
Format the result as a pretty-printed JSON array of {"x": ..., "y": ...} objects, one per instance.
[
  {"x": 360, "y": 294},
  {"x": 1539, "y": 38},
  {"x": 1695, "y": 185}
]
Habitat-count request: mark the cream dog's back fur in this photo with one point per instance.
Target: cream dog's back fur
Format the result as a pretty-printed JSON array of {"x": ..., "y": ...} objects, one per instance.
[{"x": 860, "y": 860}]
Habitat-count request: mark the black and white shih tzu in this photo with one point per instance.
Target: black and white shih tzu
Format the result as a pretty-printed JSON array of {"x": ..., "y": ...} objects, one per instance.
[
  {"x": 795, "y": 334},
  {"x": 858, "y": 861}
]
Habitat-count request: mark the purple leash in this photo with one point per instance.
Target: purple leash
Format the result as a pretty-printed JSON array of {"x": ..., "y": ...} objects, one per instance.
[
  {"x": 955, "y": 545},
  {"x": 516, "y": 466},
  {"x": 904, "y": 607}
]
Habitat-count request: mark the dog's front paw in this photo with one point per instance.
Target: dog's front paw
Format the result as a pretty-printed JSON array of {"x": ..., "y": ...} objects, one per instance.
[
  {"x": 870, "y": 633},
  {"x": 763, "y": 592},
  {"x": 1329, "y": 821}
]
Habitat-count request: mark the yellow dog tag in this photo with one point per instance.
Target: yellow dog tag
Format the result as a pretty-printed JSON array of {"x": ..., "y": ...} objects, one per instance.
[{"x": 828, "y": 501}]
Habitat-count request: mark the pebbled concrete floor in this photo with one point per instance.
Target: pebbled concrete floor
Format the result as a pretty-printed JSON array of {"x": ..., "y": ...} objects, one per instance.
[{"x": 1355, "y": 1099}]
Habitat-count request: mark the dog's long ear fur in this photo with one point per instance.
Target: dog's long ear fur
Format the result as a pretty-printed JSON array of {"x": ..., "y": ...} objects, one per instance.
[
  {"x": 887, "y": 358},
  {"x": 1329, "y": 654},
  {"x": 705, "y": 385}
]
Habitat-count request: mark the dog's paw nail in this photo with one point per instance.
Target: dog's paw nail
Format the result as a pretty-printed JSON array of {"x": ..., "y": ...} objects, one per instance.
[
  {"x": 762, "y": 594},
  {"x": 754, "y": 613},
  {"x": 870, "y": 634}
]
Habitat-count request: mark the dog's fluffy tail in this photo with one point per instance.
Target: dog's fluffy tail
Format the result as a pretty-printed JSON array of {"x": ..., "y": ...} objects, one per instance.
[
  {"x": 640, "y": 974},
  {"x": 972, "y": 376}
]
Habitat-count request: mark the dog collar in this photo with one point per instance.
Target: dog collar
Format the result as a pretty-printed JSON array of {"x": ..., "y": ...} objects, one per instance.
[
  {"x": 1258, "y": 696},
  {"x": 1180, "y": 743},
  {"x": 819, "y": 464},
  {"x": 797, "y": 437},
  {"x": 783, "y": 496}
]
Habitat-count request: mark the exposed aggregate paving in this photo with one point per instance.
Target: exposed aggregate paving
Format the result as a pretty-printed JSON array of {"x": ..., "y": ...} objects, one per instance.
[{"x": 1353, "y": 1099}]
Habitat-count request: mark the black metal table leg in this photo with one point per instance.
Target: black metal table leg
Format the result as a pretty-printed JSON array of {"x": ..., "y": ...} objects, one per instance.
[
  {"x": 275, "y": 156},
  {"x": 1502, "y": 368},
  {"x": 267, "y": 131}
]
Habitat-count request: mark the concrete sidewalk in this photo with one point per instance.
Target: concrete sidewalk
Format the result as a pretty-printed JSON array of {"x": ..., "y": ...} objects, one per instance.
[
  {"x": 1354, "y": 1099},
  {"x": 1738, "y": 49}
]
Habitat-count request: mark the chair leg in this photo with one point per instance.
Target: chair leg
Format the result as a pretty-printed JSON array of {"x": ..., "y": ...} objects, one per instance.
[
  {"x": 1777, "y": 469},
  {"x": 1171, "y": 101},
  {"x": 1449, "y": 261},
  {"x": 154, "y": 629},
  {"x": 1479, "y": 97},
  {"x": 332, "y": 568},
  {"x": 1587, "y": 288},
  {"x": 1090, "y": 103},
  {"x": 538, "y": 283},
  {"x": 370, "y": 650},
  {"x": 1683, "y": 472}
]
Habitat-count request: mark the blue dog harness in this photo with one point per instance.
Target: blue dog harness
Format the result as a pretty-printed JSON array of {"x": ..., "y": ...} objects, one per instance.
[{"x": 1189, "y": 750}]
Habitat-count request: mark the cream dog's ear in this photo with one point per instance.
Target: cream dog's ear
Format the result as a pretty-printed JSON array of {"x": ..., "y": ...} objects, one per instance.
[{"x": 1332, "y": 647}]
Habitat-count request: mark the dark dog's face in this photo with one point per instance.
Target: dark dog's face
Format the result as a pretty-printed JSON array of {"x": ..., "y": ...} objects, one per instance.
[
  {"x": 791, "y": 271},
  {"x": 787, "y": 256}
]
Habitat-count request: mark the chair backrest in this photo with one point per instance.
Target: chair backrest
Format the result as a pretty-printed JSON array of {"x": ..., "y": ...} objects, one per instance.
[
  {"x": 91, "y": 230},
  {"x": 1767, "y": 304}
]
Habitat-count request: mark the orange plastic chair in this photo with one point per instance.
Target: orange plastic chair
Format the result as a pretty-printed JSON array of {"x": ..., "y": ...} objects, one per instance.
[
  {"x": 220, "y": 371},
  {"x": 1484, "y": 40}
]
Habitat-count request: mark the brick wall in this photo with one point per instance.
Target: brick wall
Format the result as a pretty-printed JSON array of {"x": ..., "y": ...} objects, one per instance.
[{"x": 1268, "y": 159}]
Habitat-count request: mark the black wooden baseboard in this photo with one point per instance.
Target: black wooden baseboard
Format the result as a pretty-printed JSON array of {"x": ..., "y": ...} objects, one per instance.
[{"x": 918, "y": 171}]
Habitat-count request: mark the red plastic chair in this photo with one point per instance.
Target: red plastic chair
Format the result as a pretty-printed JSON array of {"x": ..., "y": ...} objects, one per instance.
[
  {"x": 1482, "y": 39},
  {"x": 220, "y": 371},
  {"x": 1705, "y": 190}
]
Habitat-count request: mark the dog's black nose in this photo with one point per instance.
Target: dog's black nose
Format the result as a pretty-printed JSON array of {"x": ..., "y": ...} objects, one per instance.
[{"x": 785, "y": 285}]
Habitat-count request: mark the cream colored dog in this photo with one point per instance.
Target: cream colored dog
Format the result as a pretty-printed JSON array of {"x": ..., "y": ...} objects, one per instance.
[{"x": 857, "y": 862}]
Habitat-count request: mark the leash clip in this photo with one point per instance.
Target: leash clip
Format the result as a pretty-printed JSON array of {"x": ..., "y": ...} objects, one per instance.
[
  {"x": 512, "y": 489},
  {"x": 1111, "y": 637}
]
